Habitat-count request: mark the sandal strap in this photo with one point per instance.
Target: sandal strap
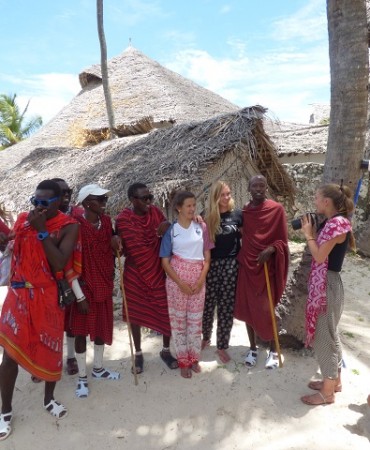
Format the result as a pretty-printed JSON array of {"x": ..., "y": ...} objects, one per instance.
[
  {"x": 56, "y": 409},
  {"x": 106, "y": 374},
  {"x": 251, "y": 358},
  {"x": 5, "y": 425}
]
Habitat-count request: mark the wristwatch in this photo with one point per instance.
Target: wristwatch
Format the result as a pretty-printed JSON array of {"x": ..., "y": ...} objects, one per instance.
[{"x": 42, "y": 235}]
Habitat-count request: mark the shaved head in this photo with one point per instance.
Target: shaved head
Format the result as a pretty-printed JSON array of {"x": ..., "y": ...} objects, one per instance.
[
  {"x": 257, "y": 188},
  {"x": 257, "y": 178}
]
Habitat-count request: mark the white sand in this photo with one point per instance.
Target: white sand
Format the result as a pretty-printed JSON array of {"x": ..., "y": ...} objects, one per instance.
[{"x": 224, "y": 407}]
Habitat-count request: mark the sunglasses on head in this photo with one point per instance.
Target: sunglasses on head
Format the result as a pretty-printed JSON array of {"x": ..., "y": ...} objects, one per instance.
[
  {"x": 45, "y": 203},
  {"x": 67, "y": 191},
  {"x": 144, "y": 198},
  {"x": 99, "y": 198}
]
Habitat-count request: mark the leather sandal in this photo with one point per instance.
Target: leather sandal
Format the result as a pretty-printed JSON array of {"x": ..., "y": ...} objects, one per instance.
[{"x": 323, "y": 400}]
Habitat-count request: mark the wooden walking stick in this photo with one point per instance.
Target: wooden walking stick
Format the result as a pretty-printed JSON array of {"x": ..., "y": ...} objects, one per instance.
[
  {"x": 272, "y": 311},
  {"x": 127, "y": 318}
]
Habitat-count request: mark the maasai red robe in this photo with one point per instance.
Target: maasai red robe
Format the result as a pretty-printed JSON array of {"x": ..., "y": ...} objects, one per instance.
[
  {"x": 31, "y": 324},
  {"x": 96, "y": 282},
  {"x": 263, "y": 226},
  {"x": 144, "y": 278}
]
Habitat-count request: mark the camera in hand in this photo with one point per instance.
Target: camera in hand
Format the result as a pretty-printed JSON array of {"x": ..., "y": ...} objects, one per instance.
[{"x": 297, "y": 224}]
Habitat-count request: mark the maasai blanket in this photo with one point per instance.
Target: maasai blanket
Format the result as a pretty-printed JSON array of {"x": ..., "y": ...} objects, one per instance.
[
  {"x": 144, "y": 278},
  {"x": 31, "y": 324},
  {"x": 263, "y": 226},
  {"x": 96, "y": 281}
]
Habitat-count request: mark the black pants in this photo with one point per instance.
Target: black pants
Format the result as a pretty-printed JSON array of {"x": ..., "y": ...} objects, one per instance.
[{"x": 220, "y": 292}]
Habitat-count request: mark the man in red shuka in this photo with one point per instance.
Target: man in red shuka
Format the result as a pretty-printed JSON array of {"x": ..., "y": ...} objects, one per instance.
[
  {"x": 264, "y": 239},
  {"x": 31, "y": 325}
]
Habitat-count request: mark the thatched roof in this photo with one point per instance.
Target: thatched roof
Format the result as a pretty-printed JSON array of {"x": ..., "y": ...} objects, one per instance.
[
  {"x": 303, "y": 140},
  {"x": 145, "y": 96},
  {"x": 165, "y": 159}
]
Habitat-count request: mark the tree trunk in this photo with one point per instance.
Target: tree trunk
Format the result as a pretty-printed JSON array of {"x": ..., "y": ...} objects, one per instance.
[
  {"x": 349, "y": 69},
  {"x": 104, "y": 68}
]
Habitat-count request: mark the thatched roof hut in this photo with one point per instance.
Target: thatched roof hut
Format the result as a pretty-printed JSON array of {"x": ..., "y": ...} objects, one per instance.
[
  {"x": 301, "y": 144},
  {"x": 145, "y": 96},
  {"x": 232, "y": 146}
]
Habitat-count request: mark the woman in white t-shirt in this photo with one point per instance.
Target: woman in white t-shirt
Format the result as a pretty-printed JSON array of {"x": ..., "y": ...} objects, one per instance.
[{"x": 185, "y": 253}]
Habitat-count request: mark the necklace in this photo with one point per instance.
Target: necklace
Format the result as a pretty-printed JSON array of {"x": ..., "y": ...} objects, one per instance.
[{"x": 96, "y": 225}]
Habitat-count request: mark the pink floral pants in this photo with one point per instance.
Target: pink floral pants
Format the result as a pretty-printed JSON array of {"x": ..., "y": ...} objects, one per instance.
[{"x": 186, "y": 312}]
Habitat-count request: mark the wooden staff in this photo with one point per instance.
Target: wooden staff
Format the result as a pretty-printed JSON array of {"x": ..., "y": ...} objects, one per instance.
[
  {"x": 127, "y": 318},
  {"x": 272, "y": 311}
]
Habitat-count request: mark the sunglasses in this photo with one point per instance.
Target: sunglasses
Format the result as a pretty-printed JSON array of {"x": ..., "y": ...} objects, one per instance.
[
  {"x": 145, "y": 198},
  {"x": 67, "y": 192},
  {"x": 98, "y": 198},
  {"x": 45, "y": 203}
]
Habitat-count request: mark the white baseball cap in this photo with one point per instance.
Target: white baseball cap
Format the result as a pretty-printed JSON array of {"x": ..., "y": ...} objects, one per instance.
[{"x": 91, "y": 189}]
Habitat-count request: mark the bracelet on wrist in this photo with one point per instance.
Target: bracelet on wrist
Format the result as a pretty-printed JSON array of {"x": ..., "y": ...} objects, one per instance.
[
  {"x": 311, "y": 239},
  {"x": 81, "y": 299}
]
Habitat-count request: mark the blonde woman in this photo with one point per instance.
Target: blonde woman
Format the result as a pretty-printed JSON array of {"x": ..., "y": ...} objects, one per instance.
[
  {"x": 223, "y": 222},
  {"x": 325, "y": 300}
]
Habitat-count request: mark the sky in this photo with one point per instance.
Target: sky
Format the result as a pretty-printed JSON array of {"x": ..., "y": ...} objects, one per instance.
[{"x": 268, "y": 52}]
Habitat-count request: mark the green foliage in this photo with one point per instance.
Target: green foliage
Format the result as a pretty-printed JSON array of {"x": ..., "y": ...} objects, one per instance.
[
  {"x": 349, "y": 334},
  {"x": 13, "y": 125},
  {"x": 324, "y": 121}
]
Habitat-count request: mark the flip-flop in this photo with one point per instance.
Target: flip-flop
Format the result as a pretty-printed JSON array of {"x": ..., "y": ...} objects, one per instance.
[{"x": 167, "y": 358}]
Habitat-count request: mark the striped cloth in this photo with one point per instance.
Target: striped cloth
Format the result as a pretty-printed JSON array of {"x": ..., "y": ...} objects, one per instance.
[
  {"x": 96, "y": 282},
  {"x": 143, "y": 277}
]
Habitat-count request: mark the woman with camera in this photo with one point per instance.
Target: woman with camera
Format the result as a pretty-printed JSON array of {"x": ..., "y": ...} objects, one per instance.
[{"x": 325, "y": 301}]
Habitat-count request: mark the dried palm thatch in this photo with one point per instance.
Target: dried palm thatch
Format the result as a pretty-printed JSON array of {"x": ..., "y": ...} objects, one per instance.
[
  {"x": 302, "y": 140},
  {"x": 231, "y": 146},
  {"x": 145, "y": 95}
]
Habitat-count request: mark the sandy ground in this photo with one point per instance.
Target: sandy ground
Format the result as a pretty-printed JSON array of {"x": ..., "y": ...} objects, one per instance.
[{"x": 224, "y": 407}]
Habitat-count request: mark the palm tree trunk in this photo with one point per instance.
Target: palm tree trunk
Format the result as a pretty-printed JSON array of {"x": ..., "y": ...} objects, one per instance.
[
  {"x": 104, "y": 67},
  {"x": 349, "y": 70}
]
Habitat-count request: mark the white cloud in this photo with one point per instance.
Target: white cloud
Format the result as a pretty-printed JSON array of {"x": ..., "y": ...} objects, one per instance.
[
  {"x": 308, "y": 23},
  {"x": 48, "y": 93},
  {"x": 284, "y": 82}
]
